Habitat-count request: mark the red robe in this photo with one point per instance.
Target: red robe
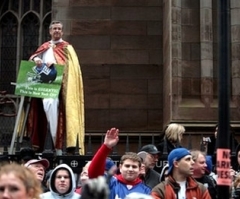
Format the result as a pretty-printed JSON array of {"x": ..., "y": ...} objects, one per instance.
[{"x": 74, "y": 125}]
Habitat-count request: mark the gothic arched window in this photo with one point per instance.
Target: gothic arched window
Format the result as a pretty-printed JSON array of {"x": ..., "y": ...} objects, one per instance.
[
  {"x": 30, "y": 34},
  {"x": 23, "y": 27},
  {"x": 8, "y": 52}
]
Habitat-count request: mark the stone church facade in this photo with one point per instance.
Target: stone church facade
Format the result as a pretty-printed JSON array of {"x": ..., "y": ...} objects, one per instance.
[{"x": 145, "y": 64}]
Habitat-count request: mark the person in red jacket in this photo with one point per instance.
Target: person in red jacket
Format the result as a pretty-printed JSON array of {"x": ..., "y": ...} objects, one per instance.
[
  {"x": 128, "y": 180},
  {"x": 180, "y": 184}
]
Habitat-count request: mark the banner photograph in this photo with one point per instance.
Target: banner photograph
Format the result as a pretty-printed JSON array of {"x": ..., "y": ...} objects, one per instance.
[{"x": 41, "y": 81}]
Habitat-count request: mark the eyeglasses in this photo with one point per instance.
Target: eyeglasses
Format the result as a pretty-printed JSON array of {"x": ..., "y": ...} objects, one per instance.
[{"x": 154, "y": 156}]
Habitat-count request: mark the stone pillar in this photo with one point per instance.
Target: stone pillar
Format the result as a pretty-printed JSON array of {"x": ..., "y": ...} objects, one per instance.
[
  {"x": 206, "y": 50},
  {"x": 172, "y": 54},
  {"x": 176, "y": 56},
  {"x": 167, "y": 61},
  {"x": 188, "y": 62}
]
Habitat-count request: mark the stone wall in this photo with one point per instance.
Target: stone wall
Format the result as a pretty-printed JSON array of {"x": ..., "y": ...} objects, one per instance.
[
  {"x": 192, "y": 69},
  {"x": 119, "y": 44},
  {"x": 147, "y": 63}
]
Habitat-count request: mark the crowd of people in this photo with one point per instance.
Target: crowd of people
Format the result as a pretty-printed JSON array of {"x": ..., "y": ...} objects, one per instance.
[{"x": 189, "y": 173}]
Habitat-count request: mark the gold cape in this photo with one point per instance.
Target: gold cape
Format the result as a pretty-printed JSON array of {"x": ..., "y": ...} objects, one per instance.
[{"x": 73, "y": 92}]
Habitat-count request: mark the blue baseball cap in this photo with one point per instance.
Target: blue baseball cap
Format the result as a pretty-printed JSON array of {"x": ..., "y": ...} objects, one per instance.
[
  {"x": 109, "y": 164},
  {"x": 176, "y": 155},
  {"x": 209, "y": 164}
]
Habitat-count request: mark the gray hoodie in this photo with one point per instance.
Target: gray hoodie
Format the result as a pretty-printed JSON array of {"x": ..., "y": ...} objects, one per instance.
[{"x": 53, "y": 194}]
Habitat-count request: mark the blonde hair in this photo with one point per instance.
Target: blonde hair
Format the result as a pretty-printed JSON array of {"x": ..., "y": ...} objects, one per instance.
[
  {"x": 24, "y": 174},
  {"x": 195, "y": 154},
  {"x": 174, "y": 132}
]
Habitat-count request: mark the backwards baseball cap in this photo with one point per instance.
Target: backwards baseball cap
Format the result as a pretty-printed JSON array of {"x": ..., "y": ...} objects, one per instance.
[
  {"x": 150, "y": 148},
  {"x": 44, "y": 162},
  {"x": 176, "y": 155}
]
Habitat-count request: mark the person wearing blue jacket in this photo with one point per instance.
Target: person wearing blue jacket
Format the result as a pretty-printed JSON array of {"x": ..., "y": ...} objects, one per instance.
[{"x": 128, "y": 180}]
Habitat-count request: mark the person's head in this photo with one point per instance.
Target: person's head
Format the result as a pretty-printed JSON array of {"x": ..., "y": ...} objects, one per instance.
[
  {"x": 130, "y": 164},
  {"x": 180, "y": 164},
  {"x": 83, "y": 177},
  {"x": 152, "y": 155},
  {"x": 38, "y": 167},
  {"x": 174, "y": 132},
  {"x": 142, "y": 155},
  {"x": 62, "y": 180},
  {"x": 199, "y": 163},
  {"x": 56, "y": 30},
  {"x": 18, "y": 182}
]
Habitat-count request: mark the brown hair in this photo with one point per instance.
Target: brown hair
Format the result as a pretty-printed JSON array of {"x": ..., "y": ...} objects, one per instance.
[
  {"x": 131, "y": 156},
  {"x": 27, "y": 177}
]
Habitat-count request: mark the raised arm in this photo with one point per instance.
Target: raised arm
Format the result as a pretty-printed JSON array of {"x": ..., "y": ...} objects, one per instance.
[{"x": 97, "y": 165}]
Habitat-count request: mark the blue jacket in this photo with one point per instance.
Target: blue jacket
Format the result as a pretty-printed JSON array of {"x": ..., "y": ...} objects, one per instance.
[{"x": 120, "y": 190}]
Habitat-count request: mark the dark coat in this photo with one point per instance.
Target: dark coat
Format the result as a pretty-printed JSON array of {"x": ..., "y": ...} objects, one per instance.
[
  {"x": 165, "y": 146},
  {"x": 210, "y": 183},
  {"x": 152, "y": 178}
]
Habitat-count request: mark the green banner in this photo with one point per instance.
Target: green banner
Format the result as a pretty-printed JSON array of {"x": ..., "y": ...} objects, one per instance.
[{"x": 39, "y": 81}]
